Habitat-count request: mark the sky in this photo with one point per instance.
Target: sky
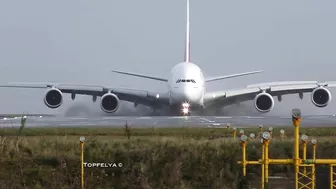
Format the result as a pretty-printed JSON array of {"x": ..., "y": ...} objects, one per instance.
[{"x": 80, "y": 41}]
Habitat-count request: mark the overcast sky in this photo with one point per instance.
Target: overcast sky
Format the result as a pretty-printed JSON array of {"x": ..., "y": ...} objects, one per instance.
[{"x": 79, "y": 41}]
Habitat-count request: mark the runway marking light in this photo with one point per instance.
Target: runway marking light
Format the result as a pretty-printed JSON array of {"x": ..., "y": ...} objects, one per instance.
[
  {"x": 228, "y": 125},
  {"x": 243, "y": 138},
  {"x": 157, "y": 96},
  {"x": 296, "y": 113},
  {"x": 304, "y": 138},
  {"x": 314, "y": 141},
  {"x": 270, "y": 129},
  {"x": 234, "y": 128},
  {"x": 266, "y": 135},
  {"x": 252, "y": 135},
  {"x": 82, "y": 139},
  {"x": 282, "y": 131},
  {"x": 241, "y": 131}
]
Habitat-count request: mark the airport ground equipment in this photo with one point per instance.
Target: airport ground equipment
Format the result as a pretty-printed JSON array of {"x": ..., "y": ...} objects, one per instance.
[
  {"x": 81, "y": 141},
  {"x": 304, "y": 168}
]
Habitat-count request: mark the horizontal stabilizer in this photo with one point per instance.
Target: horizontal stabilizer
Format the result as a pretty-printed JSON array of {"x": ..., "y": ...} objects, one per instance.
[
  {"x": 231, "y": 76},
  {"x": 141, "y": 75}
]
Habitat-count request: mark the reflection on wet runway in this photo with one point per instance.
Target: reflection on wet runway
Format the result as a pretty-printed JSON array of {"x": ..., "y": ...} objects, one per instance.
[{"x": 196, "y": 121}]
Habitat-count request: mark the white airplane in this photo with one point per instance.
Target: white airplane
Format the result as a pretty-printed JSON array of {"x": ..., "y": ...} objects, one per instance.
[{"x": 186, "y": 90}]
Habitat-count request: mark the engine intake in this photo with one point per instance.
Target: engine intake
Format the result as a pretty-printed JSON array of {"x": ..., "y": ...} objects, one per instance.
[
  {"x": 109, "y": 103},
  {"x": 321, "y": 97},
  {"x": 264, "y": 102},
  {"x": 53, "y": 98}
]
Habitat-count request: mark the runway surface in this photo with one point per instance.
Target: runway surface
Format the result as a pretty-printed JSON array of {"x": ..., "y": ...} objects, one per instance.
[{"x": 195, "y": 121}]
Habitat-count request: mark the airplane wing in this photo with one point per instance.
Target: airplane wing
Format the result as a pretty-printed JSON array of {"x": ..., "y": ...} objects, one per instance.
[
  {"x": 231, "y": 76},
  {"x": 141, "y": 75},
  {"x": 321, "y": 94},
  {"x": 147, "y": 98}
]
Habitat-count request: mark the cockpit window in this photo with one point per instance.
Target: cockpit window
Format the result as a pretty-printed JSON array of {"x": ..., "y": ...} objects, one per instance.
[{"x": 186, "y": 80}]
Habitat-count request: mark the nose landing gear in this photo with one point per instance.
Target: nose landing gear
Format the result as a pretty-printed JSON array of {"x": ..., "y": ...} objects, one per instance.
[{"x": 186, "y": 109}]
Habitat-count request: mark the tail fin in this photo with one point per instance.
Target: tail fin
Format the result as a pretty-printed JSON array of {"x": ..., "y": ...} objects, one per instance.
[{"x": 187, "y": 45}]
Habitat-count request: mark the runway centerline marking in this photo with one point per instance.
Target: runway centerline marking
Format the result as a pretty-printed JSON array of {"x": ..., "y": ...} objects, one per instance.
[{"x": 207, "y": 120}]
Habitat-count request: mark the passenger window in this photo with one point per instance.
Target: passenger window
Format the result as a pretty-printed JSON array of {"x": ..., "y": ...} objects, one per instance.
[
  {"x": 183, "y": 80},
  {"x": 188, "y": 80}
]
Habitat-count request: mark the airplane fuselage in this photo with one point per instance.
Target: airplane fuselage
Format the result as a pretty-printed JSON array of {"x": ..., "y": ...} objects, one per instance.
[{"x": 186, "y": 85}]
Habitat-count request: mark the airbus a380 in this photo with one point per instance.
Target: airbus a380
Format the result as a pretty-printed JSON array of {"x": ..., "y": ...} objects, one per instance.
[{"x": 186, "y": 90}]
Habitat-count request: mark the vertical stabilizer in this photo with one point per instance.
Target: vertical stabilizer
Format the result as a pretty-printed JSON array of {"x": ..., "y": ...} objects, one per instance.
[{"x": 187, "y": 45}]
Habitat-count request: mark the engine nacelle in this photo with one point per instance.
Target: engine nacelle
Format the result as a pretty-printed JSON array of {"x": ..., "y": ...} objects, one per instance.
[
  {"x": 321, "y": 97},
  {"x": 53, "y": 98},
  {"x": 109, "y": 103},
  {"x": 264, "y": 102}
]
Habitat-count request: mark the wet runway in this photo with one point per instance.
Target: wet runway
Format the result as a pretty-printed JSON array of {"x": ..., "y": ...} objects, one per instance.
[{"x": 195, "y": 121}]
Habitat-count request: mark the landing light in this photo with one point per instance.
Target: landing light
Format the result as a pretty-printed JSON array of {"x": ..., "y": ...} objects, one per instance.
[
  {"x": 314, "y": 141},
  {"x": 185, "y": 105},
  {"x": 185, "y": 110}
]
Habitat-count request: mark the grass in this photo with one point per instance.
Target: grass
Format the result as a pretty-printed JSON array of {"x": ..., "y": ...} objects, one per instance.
[{"x": 184, "y": 158}]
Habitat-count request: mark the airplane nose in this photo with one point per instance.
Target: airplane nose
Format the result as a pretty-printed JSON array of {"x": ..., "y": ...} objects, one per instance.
[{"x": 192, "y": 94}]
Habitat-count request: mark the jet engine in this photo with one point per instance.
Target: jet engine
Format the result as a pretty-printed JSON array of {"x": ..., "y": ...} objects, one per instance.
[
  {"x": 321, "y": 97},
  {"x": 109, "y": 103},
  {"x": 264, "y": 102},
  {"x": 53, "y": 98}
]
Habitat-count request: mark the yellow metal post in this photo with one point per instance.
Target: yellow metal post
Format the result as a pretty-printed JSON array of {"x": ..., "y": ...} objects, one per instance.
[
  {"x": 266, "y": 137},
  {"x": 296, "y": 119},
  {"x": 82, "y": 139},
  {"x": 244, "y": 158},
  {"x": 282, "y": 134},
  {"x": 243, "y": 140},
  {"x": 314, "y": 143},
  {"x": 304, "y": 139},
  {"x": 266, "y": 162},
  {"x": 262, "y": 165},
  {"x": 332, "y": 174},
  {"x": 234, "y": 132}
]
